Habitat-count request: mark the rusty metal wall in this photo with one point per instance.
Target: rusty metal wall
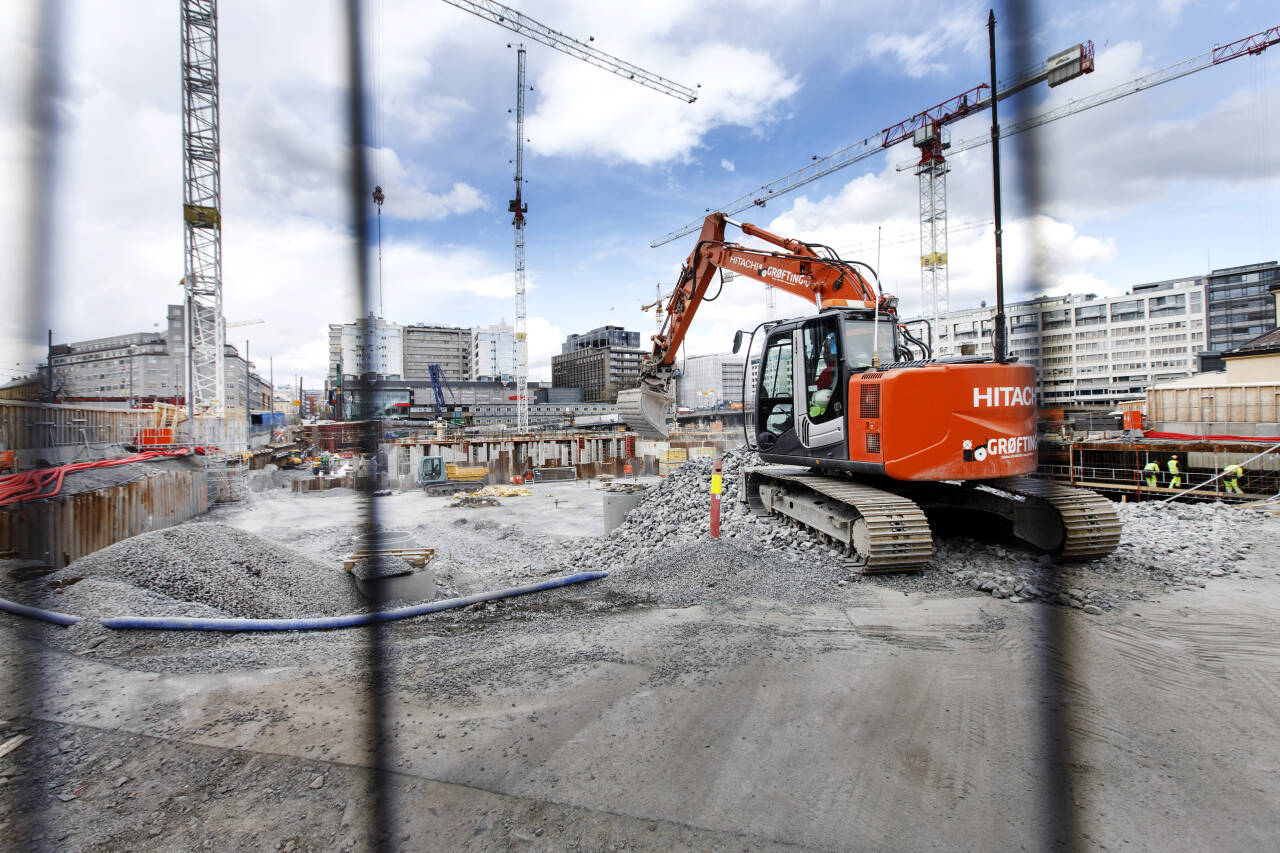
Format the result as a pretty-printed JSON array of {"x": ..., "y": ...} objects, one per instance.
[
  {"x": 25, "y": 425},
  {"x": 64, "y": 529}
]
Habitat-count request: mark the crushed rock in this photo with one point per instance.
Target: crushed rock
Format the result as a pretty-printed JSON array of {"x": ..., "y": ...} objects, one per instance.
[
  {"x": 663, "y": 553},
  {"x": 203, "y": 569}
]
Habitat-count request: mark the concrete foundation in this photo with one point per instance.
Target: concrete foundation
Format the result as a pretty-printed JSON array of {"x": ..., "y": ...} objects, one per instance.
[{"x": 617, "y": 505}]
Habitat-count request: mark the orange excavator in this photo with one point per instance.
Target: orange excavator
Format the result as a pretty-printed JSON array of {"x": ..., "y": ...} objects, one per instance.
[{"x": 869, "y": 439}]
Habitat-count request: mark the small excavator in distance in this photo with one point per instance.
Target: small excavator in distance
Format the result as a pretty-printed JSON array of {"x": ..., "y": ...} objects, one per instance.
[{"x": 870, "y": 439}]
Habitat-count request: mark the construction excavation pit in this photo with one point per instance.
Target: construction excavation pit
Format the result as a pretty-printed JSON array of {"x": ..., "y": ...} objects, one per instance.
[{"x": 546, "y": 682}]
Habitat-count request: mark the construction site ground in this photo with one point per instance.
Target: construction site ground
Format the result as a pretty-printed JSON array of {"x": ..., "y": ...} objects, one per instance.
[{"x": 707, "y": 696}]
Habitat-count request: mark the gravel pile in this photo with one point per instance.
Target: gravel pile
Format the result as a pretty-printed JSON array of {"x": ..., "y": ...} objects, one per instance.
[
  {"x": 663, "y": 553},
  {"x": 203, "y": 569}
]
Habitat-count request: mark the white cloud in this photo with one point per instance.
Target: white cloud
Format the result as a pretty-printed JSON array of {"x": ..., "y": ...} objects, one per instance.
[
  {"x": 544, "y": 341},
  {"x": 929, "y": 52},
  {"x": 726, "y": 164},
  {"x": 582, "y": 111}
]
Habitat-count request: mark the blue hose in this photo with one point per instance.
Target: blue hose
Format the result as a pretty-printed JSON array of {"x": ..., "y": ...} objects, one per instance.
[
  {"x": 36, "y": 613},
  {"x": 352, "y": 620}
]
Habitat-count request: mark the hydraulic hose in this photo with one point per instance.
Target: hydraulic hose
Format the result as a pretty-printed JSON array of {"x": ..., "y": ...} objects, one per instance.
[
  {"x": 352, "y": 620},
  {"x": 36, "y": 613}
]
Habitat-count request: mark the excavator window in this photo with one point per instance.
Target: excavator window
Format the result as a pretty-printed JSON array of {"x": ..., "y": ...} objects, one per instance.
[
  {"x": 775, "y": 386},
  {"x": 824, "y": 397},
  {"x": 432, "y": 469},
  {"x": 858, "y": 343}
]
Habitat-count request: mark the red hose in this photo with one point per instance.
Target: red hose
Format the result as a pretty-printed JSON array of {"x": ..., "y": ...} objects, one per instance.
[{"x": 35, "y": 485}]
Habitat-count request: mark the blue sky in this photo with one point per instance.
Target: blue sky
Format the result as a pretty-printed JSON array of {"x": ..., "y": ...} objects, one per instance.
[{"x": 1158, "y": 185}]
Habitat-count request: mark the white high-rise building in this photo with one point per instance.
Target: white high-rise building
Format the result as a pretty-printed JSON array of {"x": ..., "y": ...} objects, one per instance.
[
  {"x": 493, "y": 353},
  {"x": 1089, "y": 349},
  {"x": 370, "y": 345},
  {"x": 710, "y": 381}
]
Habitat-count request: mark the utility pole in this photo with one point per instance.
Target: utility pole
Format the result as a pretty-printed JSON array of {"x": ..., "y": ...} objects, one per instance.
[
  {"x": 998, "y": 336},
  {"x": 248, "y": 418},
  {"x": 48, "y": 361}
]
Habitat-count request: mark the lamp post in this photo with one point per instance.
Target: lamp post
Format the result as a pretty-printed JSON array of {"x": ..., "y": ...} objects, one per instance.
[{"x": 132, "y": 349}]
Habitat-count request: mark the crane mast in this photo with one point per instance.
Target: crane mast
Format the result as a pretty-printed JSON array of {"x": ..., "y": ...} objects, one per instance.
[
  {"x": 202, "y": 210},
  {"x": 518, "y": 209}
]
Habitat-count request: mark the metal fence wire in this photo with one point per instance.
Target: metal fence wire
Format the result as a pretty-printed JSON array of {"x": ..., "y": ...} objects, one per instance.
[{"x": 1055, "y": 753}]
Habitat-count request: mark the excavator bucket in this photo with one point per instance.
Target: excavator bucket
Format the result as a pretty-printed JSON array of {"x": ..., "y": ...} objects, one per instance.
[{"x": 644, "y": 411}]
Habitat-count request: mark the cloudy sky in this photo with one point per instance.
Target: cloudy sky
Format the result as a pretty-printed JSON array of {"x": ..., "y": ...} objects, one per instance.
[{"x": 1163, "y": 184}]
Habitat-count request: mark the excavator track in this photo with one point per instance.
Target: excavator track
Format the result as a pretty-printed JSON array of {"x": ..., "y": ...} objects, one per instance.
[
  {"x": 886, "y": 532},
  {"x": 1091, "y": 527}
]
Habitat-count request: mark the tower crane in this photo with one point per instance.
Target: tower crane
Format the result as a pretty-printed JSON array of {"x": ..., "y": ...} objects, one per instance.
[
  {"x": 202, "y": 192},
  {"x": 1247, "y": 46},
  {"x": 518, "y": 209},
  {"x": 925, "y": 130},
  {"x": 202, "y": 210},
  {"x": 505, "y": 16}
]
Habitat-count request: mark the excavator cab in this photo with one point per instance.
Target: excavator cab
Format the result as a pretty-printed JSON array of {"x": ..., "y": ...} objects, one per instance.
[{"x": 803, "y": 377}]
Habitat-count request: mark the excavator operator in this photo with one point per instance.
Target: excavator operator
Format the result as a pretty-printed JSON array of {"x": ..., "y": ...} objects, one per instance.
[{"x": 824, "y": 382}]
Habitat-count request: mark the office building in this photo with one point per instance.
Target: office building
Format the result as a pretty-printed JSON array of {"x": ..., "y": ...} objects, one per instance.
[
  {"x": 369, "y": 347},
  {"x": 599, "y": 363},
  {"x": 1089, "y": 349},
  {"x": 1242, "y": 304},
  {"x": 448, "y": 346},
  {"x": 710, "y": 381},
  {"x": 493, "y": 353},
  {"x": 604, "y": 336},
  {"x": 103, "y": 369}
]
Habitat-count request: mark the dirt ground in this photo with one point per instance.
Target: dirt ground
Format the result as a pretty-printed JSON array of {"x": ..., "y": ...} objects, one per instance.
[{"x": 882, "y": 720}]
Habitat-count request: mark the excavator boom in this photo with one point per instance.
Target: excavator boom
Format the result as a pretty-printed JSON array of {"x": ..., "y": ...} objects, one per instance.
[{"x": 799, "y": 269}]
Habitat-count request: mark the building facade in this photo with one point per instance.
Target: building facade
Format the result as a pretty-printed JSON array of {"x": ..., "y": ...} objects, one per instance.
[
  {"x": 1241, "y": 304},
  {"x": 1090, "y": 350},
  {"x": 493, "y": 353},
  {"x": 710, "y": 381},
  {"x": 447, "y": 346},
  {"x": 368, "y": 347},
  {"x": 604, "y": 336},
  {"x": 471, "y": 404},
  {"x": 111, "y": 369},
  {"x": 600, "y": 372},
  {"x": 151, "y": 365}
]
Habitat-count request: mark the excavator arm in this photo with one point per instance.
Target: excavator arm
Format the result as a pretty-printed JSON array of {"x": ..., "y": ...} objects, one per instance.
[{"x": 798, "y": 269}]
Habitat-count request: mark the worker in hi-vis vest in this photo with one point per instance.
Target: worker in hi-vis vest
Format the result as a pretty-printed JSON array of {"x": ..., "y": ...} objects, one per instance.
[
  {"x": 1231, "y": 477},
  {"x": 1153, "y": 473},
  {"x": 1175, "y": 477}
]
